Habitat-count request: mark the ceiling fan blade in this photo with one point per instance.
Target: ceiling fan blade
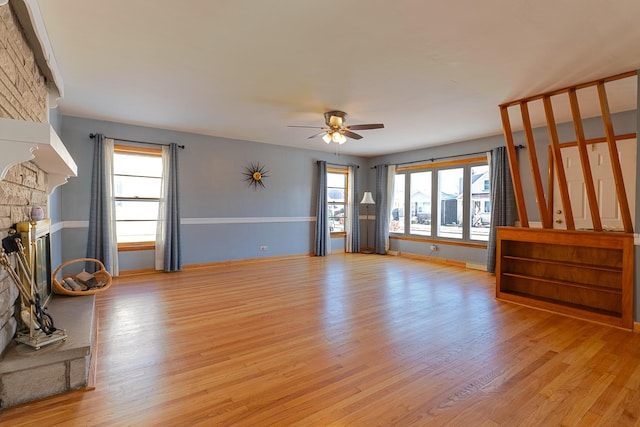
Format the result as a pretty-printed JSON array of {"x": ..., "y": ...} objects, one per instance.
[
  {"x": 368, "y": 126},
  {"x": 317, "y": 134},
  {"x": 307, "y": 127},
  {"x": 352, "y": 134}
]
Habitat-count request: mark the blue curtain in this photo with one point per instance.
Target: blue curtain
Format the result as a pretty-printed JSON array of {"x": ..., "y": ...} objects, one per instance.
[
  {"x": 503, "y": 200},
  {"x": 98, "y": 243},
  {"x": 382, "y": 210},
  {"x": 353, "y": 229},
  {"x": 323, "y": 238},
  {"x": 172, "y": 258}
]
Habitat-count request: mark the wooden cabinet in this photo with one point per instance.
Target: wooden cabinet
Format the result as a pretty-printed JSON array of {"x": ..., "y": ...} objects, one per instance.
[{"x": 579, "y": 273}]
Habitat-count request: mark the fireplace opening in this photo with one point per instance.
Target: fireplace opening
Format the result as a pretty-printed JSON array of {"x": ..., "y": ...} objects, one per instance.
[{"x": 36, "y": 238}]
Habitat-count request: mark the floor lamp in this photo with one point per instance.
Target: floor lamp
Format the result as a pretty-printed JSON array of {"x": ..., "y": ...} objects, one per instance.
[{"x": 367, "y": 200}]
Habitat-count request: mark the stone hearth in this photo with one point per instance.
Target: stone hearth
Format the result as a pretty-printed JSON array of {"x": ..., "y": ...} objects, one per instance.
[{"x": 27, "y": 374}]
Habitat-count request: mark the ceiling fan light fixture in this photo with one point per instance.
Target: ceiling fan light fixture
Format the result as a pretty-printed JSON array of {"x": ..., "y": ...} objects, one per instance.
[
  {"x": 335, "y": 129},
  {"x": 338, "y": 138},
  {"x": 335, "y": 121}
]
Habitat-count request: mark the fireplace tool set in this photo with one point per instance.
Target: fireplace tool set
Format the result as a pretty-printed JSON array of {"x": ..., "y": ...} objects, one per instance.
[{"x": 40, "y": 324}]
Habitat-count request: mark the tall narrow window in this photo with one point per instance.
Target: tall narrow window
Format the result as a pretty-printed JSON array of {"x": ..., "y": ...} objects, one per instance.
[
  {"x": 337, "y": 199},
  {"x": 137, "y": 181},
  {"x": 396, "y": 223},
  {"x": 420, "y": 203},
  {"x": 450, "y": 196},
  {"x": 480, "y": 203}
]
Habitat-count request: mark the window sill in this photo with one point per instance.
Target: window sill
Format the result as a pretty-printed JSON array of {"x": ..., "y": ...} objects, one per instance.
[
  {"x": 469, "y": 244},
  {"x": 136, "y": 246}
]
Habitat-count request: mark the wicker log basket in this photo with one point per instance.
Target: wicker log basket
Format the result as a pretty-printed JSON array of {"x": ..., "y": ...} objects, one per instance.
[{"x": 102, "y": 275}]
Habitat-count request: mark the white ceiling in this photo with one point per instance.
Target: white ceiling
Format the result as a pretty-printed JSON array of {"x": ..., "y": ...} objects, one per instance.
[{"x": 434, "y": 72}]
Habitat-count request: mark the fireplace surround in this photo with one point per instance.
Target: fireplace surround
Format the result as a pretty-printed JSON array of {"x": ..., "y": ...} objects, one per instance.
[
  {"x": 33, "y": 163},
  {"x": 36, "y": 238}
]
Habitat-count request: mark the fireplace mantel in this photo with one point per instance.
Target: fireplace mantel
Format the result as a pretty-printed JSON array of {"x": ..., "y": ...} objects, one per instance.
[{"x": 22, "y": 141}]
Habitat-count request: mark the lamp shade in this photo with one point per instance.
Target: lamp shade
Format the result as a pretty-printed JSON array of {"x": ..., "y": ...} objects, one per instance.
[{"x": 367, "y": 199}]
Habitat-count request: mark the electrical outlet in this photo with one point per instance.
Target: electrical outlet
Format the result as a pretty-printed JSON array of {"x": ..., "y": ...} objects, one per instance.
[
  {"x": 263, "y": 248},
  {"x": 434, "y": 248}
]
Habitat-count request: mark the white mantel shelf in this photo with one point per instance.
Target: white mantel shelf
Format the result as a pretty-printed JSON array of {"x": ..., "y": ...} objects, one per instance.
[{"x": 22, "y": 141}]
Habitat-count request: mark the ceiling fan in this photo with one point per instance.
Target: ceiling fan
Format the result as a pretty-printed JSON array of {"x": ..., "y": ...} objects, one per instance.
[{"x": 336, "y": 130}]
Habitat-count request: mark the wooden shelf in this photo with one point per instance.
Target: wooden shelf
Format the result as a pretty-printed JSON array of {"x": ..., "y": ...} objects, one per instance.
[
  {"x": 578, "y": 307},
  {"x": 584, "y": 286},
  {"x": 566, "y": 264},
  {"x": 579, "y": 273}
]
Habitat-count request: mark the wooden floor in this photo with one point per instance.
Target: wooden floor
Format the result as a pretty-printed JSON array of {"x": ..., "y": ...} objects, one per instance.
[{"x": 356, "y": 340}]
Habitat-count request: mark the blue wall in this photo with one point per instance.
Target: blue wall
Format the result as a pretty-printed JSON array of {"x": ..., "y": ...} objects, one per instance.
[{"x": 222, "y": 218}]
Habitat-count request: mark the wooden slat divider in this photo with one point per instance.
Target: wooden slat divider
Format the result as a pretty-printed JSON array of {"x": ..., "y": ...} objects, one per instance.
[
  {"x": 584, "y": 160},
  {"x": 557, "y": 156},
  {"x": 550, "y": 180},
  {"x": 545, "y": 213},
  {"x": 566, "y": 89},
  {"x": 545, "y": 207},
  {"x": 513, "y": 166},
  {"x": 590, "y": 141},
  {"x": 615, "y": 160}
]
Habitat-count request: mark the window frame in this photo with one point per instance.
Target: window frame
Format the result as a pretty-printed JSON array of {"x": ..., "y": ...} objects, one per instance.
[
  {"x": 146, "y": 151},
  {"x": 345, "y": 172},
  {"x": 466, "y": 165}
]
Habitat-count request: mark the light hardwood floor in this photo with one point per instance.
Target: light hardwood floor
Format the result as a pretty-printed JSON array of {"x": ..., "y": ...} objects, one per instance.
[{"x": 354, "y": 340}]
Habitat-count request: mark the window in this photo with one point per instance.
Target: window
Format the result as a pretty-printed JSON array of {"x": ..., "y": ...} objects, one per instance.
[
  {"x": 137, "y": 177},
  {"x": 445, "y": 201},
  {"x": 337, "y": 199},
  {"x": 420, "y": 202},
  {"x": 397, "y": 211},
  {"x": 480, "y": 203},
  {"x": 450, "y": 195}
]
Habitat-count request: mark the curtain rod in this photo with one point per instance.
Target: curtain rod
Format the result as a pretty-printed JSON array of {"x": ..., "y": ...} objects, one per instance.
[
  {"x": 93, "y": 135},
  {"x": 338, "y": 164},
  {"x": 443, "y": 157}
]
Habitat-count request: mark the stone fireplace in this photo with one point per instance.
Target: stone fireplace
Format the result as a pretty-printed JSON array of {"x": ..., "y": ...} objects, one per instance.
[
  {"x": 23, "y": 184},
  {"x": 33, "y": 163}
]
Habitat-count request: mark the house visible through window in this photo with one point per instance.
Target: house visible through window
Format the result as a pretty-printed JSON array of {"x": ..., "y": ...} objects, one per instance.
[
  {"x": 480, "y": 203},
  {"x": 450, "y": 202},
  {"x": 420, "y": 203},
  {"x": 336, "y": 199},
  {"x": 137, "y": 187}
]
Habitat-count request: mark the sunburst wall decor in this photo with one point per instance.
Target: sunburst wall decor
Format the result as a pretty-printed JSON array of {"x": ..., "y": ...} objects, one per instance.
[{"x": 255, "y": 174}]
